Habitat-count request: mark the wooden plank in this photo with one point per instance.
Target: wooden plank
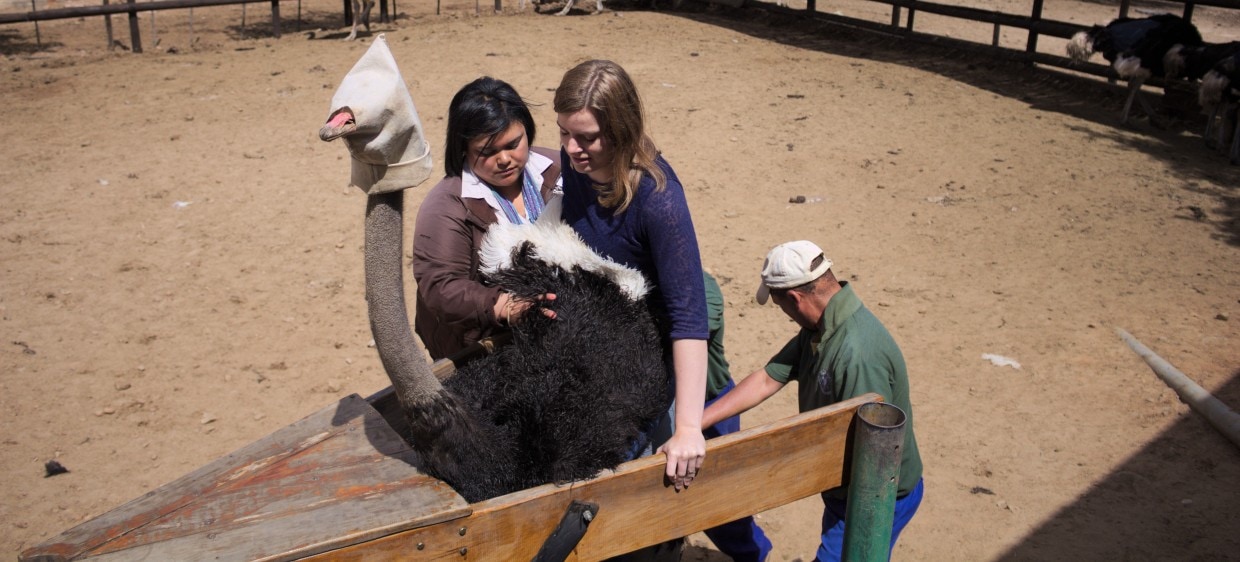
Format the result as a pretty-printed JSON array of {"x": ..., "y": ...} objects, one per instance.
[
  {"x": 337, "y": 477},
  {"x": 745, "y": 473}
]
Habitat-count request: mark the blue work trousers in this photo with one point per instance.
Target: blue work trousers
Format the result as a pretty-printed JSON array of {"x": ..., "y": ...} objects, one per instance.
[
  {"x": 832, "y": 547},
  {"x": 743, "y": 539}
]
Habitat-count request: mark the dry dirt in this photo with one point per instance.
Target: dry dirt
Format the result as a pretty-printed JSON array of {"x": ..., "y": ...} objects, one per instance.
[{"x": 182, "y": 262}]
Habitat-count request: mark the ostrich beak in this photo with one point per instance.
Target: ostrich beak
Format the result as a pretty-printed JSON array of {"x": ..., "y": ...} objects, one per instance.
[{"x": 339, "y": 124}]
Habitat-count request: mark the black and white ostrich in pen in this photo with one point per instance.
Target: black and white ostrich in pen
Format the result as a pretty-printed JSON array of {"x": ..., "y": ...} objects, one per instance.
[
  {"x": 1135, "y": 48},
  {"x": 1195, "y": 63},
  {"x": 570, "y": 396},
  {"x": 1219, "y": 95}
]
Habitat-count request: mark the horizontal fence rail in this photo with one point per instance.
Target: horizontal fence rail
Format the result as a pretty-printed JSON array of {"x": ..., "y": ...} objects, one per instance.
[
  {"x": 1034, "y": 24},
  {"x": 132, "y": 8},
  {"x": 123, "y": 8}
]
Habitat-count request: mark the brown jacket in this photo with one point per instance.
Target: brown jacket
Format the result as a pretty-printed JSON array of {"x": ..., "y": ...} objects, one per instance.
[{"x": 454, "y": 308}]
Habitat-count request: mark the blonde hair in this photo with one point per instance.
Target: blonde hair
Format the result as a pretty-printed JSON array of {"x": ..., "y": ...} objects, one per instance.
[{"x": 606, "y": 90}]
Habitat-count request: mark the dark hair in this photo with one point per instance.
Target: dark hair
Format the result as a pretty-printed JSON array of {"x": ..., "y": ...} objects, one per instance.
[{"x": 484, "y": 107}]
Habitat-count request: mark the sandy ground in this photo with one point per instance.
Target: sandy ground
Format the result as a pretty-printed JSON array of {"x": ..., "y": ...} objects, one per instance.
[{"x": 182, "y": 263}]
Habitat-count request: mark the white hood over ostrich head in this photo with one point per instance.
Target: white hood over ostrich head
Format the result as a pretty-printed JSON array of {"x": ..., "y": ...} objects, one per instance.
[{"x": 374, "y": 113}]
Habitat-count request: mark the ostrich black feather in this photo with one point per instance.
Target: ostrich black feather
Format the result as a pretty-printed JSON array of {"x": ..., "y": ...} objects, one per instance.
[{"x": 567, "y": 399}]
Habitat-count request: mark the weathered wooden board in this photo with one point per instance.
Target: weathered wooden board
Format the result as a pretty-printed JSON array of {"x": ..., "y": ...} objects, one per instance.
[
  {"x": 747, "y": 472},
  {"x": 338, "y": 477}
]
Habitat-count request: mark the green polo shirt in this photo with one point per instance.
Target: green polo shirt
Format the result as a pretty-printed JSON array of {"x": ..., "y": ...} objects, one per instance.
[
  {"x": 850, "y": 354},
  {"x": 717, "y": 373}
]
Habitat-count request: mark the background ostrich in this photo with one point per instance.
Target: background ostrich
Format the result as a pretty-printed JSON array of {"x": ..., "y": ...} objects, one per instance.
[
  {"x": 1135, "y": 48},
  {"x": 1193, "y": 62},
  {"x": 361, "y": 11},
  {"x": 1219, "y": 94},
  {"x": 598, "y": 7},
  {"x": 569, "y": 396}
]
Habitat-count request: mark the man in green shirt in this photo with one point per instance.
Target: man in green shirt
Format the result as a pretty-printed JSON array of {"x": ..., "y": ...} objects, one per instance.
[
  {"x": 841, "y": 351},
  {"x": 742, "y": 540}
]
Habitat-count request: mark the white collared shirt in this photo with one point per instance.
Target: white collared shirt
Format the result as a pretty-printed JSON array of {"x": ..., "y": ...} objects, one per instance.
[{"x": 474, "y": 188}]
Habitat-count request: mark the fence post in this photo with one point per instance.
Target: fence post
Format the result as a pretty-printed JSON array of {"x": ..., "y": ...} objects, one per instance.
[
  {"x": 912, "y": 11},
  {"x": 135, "y": 36},
  {"x": 107, "y": 22},
  {"x": 275, "y": 18},
  {"x": 1188, "y": 11},
  {"x": 1123, "y": 8},
  {"x": 878, "y": 438},
  {"x": 38, "y": 38},
  {"x": 895, "y": 15},
  {"x": 811, "y": 6},
  {"x": 154, "y": 32},
  {"x": 1032, "y": 45}
]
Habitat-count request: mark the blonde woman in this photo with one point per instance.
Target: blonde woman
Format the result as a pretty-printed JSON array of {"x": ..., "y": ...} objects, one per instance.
[{"x": 627, "y": 204}]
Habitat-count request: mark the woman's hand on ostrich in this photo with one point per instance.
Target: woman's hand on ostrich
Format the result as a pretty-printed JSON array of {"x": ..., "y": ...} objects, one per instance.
[
  {"x": 509, "y": 309},
  {"x": 685, "y": 452}
]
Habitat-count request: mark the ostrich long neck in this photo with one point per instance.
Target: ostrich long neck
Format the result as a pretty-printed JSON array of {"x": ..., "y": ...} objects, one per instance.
[{"x": 385, "y": 296}]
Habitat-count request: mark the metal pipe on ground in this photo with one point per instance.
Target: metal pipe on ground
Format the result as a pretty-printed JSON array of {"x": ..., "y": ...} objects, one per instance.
[
  {"x": 1224, "y": 419},
  {"x": 878, "y": 437}
]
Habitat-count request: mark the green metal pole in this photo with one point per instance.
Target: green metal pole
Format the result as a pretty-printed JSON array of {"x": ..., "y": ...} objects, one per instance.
[{"x": 878, "y": 438}]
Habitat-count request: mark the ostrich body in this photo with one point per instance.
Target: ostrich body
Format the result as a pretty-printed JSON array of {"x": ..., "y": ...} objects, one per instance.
[
  {"x": 570, "y": 396},
  {"x": 1193, "y": 62},
  {"x": 1135, "y": 48}
]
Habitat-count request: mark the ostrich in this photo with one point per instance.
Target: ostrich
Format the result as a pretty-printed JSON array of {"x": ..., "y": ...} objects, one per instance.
[
  {"x": 1193, "y": 62},
  {"x": 1220, "y": 95},
  {"x": 361, "y": 11},
  {"x": 598, "y": 6},
  {"x": 571, "y": 395},
  {"x": 1135, "y": 48}
]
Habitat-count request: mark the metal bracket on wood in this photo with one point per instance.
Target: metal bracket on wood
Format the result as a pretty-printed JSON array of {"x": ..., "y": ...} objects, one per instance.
[{"x": 568, "y": 533}]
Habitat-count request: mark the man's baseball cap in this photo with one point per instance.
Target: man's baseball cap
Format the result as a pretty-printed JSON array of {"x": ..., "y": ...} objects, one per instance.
[{"x": 789, "y": 265}]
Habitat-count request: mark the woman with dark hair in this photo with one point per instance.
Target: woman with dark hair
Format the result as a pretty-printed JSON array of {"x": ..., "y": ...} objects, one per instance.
[
  {"x": 628, "y": 205},
  {"x": 492, "y": 175}
]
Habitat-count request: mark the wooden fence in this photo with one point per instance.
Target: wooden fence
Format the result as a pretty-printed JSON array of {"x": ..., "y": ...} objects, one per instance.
[
  {"x": 905, "y": 10},
  {"x": 1034, "y": 24},
  {"x": 132, "y": 8}
]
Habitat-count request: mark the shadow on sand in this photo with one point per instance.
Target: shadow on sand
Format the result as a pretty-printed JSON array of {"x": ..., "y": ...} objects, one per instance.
[{"x": 1178, "y": 145}]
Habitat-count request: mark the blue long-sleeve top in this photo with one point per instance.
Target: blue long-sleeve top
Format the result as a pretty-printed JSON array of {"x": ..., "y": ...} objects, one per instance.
[{"x": 654, "y": 235}]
